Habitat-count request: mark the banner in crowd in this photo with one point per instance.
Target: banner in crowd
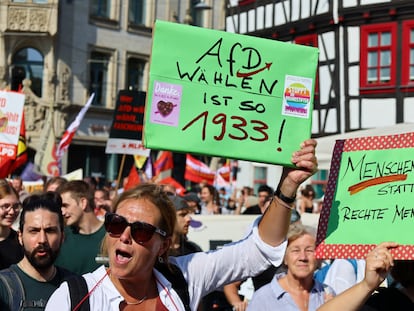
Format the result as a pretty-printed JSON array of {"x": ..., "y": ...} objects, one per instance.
[
  {"x": 11, "y": 115},
  {"x": 369, "y": 197},
  {"x": 229, "y": 95},
  {"x": 125, "y": 136}
]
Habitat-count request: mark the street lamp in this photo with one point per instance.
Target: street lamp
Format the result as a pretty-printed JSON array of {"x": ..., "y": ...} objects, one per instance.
[
  {"x": 201, "y": 5},
  {"x": 193, "y": 12}
]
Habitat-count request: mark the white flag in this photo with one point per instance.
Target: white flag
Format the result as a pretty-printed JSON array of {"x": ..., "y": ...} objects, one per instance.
[{"x": 71, "y": 130}]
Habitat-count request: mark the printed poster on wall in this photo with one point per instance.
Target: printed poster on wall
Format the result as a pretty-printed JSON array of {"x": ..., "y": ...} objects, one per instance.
[
  {"x": 223, "y": 94},
  {"x": 369, "y": 198}
]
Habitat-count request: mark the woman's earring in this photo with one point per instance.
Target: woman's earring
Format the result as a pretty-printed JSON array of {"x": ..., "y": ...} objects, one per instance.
[{"x": 160, "y": 259}]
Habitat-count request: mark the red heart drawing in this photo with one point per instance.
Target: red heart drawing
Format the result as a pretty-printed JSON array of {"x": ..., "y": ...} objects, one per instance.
[{"x": 165, "y": 108}]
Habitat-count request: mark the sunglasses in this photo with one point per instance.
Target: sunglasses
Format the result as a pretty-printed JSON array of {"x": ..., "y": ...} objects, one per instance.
[{"x": 141, "y": 232}]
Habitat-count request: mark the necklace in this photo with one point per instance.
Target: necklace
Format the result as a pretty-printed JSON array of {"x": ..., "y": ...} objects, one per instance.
[{"x": 138, "y": 302}]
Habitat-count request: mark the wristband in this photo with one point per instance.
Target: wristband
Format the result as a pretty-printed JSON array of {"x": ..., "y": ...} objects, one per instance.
[
  {"x": 284, "y": 198},
  {"x": 284, "y": 204}
]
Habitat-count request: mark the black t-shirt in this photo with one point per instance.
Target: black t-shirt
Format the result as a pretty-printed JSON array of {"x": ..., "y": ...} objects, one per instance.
[
  {"x": 186, "y": 247},
  {"x": 34, "y": 290},
  {"x": 10, "y": 250},
  {"x": 388, "y": 299},
  {"x": 253, "y": 210}
]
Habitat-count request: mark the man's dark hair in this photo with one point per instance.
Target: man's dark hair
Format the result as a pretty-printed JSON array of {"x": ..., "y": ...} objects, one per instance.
[
  {"x": 79, "y": 189},
  {"x": 50, "y": 201},
  {"x": 265, "y": 188}
]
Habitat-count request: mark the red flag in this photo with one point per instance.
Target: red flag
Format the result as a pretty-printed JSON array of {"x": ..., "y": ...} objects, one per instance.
[
  {"x": 133, "y": 178},
  {"x": 180, "y": 190},
  {"x": 8, "y": 165},
  {"x": 164, "y": 162},
  {"x": 197, "y": 171},
  {"x": 21, "y": 156},
  {"x": 224, "y": 171},
  {"x": 5, "y": 164},
  {"x": 71, "y": 130}
]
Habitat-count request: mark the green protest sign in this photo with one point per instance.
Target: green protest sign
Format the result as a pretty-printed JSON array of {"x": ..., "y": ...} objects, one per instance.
[
  {"x": 217, "y": 93},
  {"x": 369, "y": 197}
]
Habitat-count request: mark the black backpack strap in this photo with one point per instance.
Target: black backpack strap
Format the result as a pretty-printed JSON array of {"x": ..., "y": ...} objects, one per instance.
[
  {"x": 173, "y": 274},
  {"x": 78, "y": 289},
  {"x": 14, "y": 287}
]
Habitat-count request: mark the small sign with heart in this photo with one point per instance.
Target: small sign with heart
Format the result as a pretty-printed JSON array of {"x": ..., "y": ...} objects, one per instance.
[{"x": 166, "y": 103}]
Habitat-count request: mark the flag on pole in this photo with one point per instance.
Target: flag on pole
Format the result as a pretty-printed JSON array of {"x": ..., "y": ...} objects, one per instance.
[
  {"x": 21, "y": 156},
  {"x": 164, "y": 162},
  {"x": 71, "y": 130},
  {"x": 133, "y": 178},
  {"x": 139, "y": 160},
  {"x": 148, "y": 171},
  {"x": 224, "y": 171},
  {"x": 197, "y": 171}
]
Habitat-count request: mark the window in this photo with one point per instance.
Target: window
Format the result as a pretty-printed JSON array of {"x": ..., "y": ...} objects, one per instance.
[
  {"x": 27, "y": 63},
  {"x": 135, "y": 77},
  {"x": 310, "y": 40},
  {"x": 98, "y": 79},
  {"x": 260, "y": 177},
  {"x": 101, "y": 8},
  {"x": 136, "y": 13},
  {"x": 408, "y": 54},
  {"x": 378, "y": 57}
]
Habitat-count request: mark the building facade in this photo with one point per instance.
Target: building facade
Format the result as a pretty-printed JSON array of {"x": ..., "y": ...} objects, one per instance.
[
  {"x": 365, "y": 75},
  {"x": 59, "y": 52}
]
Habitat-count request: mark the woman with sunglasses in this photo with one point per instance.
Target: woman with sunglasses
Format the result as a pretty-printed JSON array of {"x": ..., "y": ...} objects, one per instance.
[{"x": 139, "y": 236}]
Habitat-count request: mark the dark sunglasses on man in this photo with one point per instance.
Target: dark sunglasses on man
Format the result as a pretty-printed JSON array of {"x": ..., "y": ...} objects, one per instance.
[{"x": 141, "y": 232}]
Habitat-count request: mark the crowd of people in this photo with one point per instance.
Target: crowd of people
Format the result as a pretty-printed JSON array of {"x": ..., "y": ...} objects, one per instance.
[{"x": 76, "y": 246}]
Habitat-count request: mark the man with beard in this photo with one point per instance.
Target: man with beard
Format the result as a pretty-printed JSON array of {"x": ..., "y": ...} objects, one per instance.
[{"x": 33, "y": 279}]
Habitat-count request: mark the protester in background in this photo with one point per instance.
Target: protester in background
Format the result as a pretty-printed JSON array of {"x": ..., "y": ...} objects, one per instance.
[
  {"x": 180, "y": 245},
  {"x": 231, "y": 205},
  {"x": 29, "y": 284},
  {"x": 53, "y": 183},
  {"x": 248, "y": 202},
  {"x": 17, "y": 184},
  {"x": 83, "y": 232},
  {"x": 223, "y": 197},
  {"x": 264, "y": 194},
  {"x": 306, "y": 204},
  {"x": 231, "y": 291},
  {"x": 92, "y": 182},
  {"x": 210, "y": 201},
  {"x": 169, "y": 189},
  {"x": 193, "y": 202},
  {"x": 139, "y": 237},
  {"x": 296, "y": 289},
  {"x": 10, "y": 249},
  {"x": 103, "y": 203},
  {"x": 378, "y": 263}
]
